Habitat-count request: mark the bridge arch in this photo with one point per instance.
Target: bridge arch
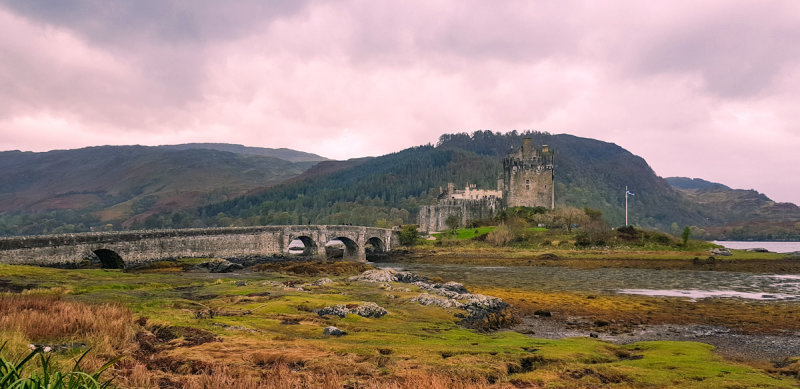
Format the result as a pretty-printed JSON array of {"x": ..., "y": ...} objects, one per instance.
[
  {"x": 308, "y": 247},
  {"x": 350, "y": 249},
  {"x": 109, "y": 259},
  {"x": 374, "y": 248}
]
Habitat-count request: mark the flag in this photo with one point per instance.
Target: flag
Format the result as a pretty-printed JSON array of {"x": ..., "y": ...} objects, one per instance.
[{"x": 629, "y": 193}]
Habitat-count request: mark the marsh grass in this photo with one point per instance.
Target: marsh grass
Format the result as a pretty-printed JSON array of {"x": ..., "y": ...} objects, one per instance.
[
  {"x": 47, "y": 375},
  {"x": 314, "y": 268},
  {"x": 43, "y": 319},
  {"x": 404, "y": 349}
]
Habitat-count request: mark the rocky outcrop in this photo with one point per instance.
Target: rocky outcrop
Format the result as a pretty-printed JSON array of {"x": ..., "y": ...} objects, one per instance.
[
  {"x": 445, "y": 295},
  {"x": 333, "y": 331},
  {"x": 221, "y": 266},
  {"x": 721, "y": 252},
  {"x": 368, "y": 309},
  {"x": 387, "y": 275},
  {"x": 322, "y": 281}
]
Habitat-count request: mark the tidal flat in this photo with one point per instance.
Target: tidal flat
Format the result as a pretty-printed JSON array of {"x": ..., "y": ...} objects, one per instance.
[{"x": 173, "y": 325}]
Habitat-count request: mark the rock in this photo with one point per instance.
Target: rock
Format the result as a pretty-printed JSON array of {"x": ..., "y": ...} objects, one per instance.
[
  {"x": 454, "y": 287},
  {"x": 387, "y": 275},
  {"x": 722, "y": 252},
  {"x": 241, "y": 283},
  {"x": 758, "y": 250},
  {"x": 333, "y": 331},
  {"x": 323, "y": 281},
  {"x": 376, "y": 275},
  {"x": 429, "y": 299},
  {"x": 221, "y": 266},
  {"x": 543, "y": 313},
  {"x": 407, "y": 277},
  {"x": 336, "y": 310},
  {"x": 369, "y": 310},
  {"x": 480, "y": 303}
]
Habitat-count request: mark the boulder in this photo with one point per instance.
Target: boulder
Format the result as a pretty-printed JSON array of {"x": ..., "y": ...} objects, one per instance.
[
  {"x": 369, "y": 310},
  {"x": 221, "y": 266},
  {"x": 721, "y": 252},
  {"x": 336, "y": 310},
  {"x": 758, "y": 250},
  {"x": 323, "y": 281},
  {"x": 333, "y": 331},
  {"x": 429, "y": 299},
  {"x": 454, "y": 287},
  {"x": 376, "y": 275}
]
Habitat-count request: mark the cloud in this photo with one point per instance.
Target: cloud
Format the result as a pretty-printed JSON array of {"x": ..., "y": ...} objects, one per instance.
[{"x": 700, "y": 89}]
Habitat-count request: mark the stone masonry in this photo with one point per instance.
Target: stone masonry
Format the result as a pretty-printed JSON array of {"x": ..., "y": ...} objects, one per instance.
[
  {"x": 135, "y": 247},
  {"x": 527, "y": 181}
]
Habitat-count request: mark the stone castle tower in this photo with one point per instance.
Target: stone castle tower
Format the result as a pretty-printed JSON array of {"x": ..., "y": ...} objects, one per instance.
[
  {"x": 527, "y": 181},
  {"x": 528, "y": 177}
]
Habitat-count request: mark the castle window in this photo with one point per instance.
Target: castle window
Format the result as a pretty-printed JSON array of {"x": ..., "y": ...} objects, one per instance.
[{"x": 527, "y": 184}]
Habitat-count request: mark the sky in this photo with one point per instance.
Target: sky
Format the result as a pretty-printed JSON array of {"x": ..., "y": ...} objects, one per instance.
[{"x": 705, "y": 89}]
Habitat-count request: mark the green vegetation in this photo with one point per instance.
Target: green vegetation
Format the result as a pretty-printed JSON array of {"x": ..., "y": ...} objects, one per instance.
[
  {"x": 164, "y": 188},
  {"x": 14, "y": 374},
  {"x": 74, "y": 190},
  {"x": 409, "y": 235},
  {"x": 260, "y": 328},
  {"x": 687, "y": 232}
]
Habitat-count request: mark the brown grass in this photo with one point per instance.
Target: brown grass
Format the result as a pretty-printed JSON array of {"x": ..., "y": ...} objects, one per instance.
[
  {"x": 49, "y": 319},
  {"x": 282, "y": 376},
  {"x": 314, "y": 268}
]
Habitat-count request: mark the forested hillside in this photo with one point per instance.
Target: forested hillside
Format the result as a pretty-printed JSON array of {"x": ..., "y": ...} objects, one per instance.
[
  {"x": 739, "y": 214},
  {"x": 388, "y": 190},
  {"x": 73, "y": 190},
  {"x": 141, "y": 187}
]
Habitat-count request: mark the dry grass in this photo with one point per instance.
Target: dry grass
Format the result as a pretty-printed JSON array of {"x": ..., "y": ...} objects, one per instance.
[
  {"x": 106, "y": 328},
  {"x": 314, "y": 268},
  {"x": 281, "y": 376}
]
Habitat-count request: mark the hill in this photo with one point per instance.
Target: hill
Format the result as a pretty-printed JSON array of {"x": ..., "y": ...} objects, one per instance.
[
  {"x": 388, "y": 190},
  {"x": 123, "y": 185},
  {"x": 282, "y": 153},
  {"x": 135, "y": 186},
  {"x": 739, "y": 214},
  {"x": 693, "y": 183}
]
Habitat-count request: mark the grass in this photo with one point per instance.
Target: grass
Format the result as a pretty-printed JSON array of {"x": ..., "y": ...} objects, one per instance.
[
  {"x": 266, "y": 334},
  {"x": 18, "y": 375}
]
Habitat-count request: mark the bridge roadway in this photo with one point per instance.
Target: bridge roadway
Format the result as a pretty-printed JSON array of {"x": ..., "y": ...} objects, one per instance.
[{"x": 136, "y": 247}]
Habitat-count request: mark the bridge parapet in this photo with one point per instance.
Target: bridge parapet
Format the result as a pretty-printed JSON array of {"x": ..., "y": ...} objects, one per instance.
[{"x": 150, "y": 245}]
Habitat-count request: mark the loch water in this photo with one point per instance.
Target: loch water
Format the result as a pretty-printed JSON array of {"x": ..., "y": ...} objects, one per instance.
[
  {"x": 776, "y": 247},
  {"x": 669, "y": 283}
]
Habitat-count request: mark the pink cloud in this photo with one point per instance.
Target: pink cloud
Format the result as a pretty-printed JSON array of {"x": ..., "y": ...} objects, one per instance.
[{"x": 698, "y": 89}]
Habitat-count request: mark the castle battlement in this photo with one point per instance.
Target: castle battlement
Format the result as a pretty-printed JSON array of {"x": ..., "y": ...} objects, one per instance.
[{"x": 527, "y": 181}]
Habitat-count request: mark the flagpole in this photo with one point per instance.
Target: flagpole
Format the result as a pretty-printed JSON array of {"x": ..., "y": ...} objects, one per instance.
[{"x": 626, "y": 205}]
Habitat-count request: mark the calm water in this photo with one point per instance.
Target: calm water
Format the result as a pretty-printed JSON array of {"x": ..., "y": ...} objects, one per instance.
[
  {"x": 669, "y": 283},
  {"x": 778, "y": 247}
]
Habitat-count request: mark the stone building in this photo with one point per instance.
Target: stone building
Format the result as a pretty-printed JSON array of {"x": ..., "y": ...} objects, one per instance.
[
  {"x": 528, "y": 177},
  {"x": 527, "y": 181}
]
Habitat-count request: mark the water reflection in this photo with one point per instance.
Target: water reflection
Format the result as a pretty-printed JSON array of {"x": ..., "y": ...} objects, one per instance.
[{"x": 669, "y": 283}]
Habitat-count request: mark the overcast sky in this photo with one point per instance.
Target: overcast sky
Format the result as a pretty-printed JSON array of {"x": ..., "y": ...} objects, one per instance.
[{"x": 705, "y": 89}]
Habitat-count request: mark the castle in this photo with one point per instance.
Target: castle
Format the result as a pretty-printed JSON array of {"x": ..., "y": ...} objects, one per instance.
[{"x": 527, "y": 181}]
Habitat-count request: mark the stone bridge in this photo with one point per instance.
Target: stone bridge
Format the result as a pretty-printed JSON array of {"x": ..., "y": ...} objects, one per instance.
[{"x": 136, "y": 247}]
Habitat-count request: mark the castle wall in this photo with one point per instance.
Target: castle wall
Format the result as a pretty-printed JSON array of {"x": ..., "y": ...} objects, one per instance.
[
  {"x": 528, "y": 177},
  {"x": 433, "y": 217},
  {"x": 527, "y": 182}
]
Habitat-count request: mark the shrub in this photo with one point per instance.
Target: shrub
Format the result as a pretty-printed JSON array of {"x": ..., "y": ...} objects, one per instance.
[
  {"x": 500, "y": 236},
  {"x": 409, "y": 235}
]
